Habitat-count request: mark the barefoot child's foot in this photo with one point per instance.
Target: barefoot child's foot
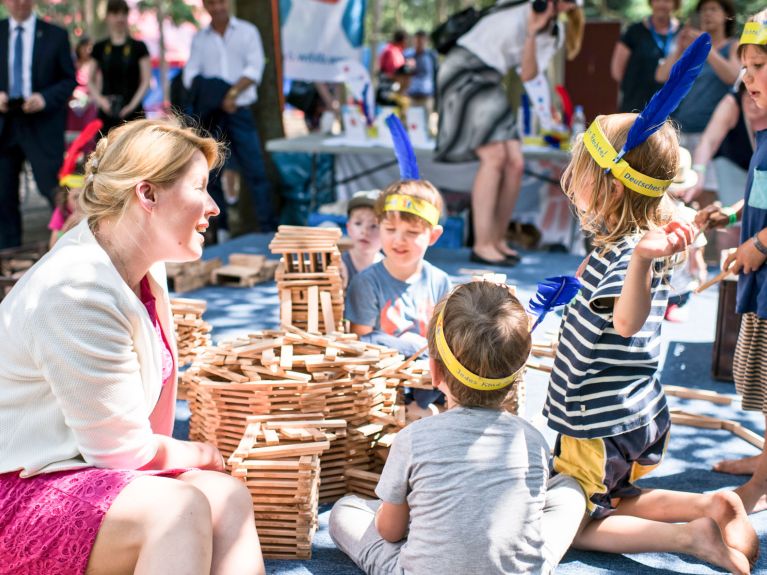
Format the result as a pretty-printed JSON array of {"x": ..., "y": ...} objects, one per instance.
[
  {"x": 414, "y": 412},
  {"x": 753, "y": 496},
  {"x": 706, "y": 543},
  {"x": 727, "y": 510},
  {"x": 744, "y": 466}
]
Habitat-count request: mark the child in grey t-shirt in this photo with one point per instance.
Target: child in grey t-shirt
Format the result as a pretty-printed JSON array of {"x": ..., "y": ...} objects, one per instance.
[{"x": 468, "y": 490}]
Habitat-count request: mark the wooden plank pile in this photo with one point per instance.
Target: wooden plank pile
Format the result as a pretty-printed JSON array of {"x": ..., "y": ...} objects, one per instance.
[
  {"x": 244, "y": 270},
  {"x": 278, "y": 458},
  {"x": 188, "y": 276},
  {"x": 15, "y": 261},
  {"x": 278, "y": 373},
  {"x": 192, "y": 333},
  {"x": 309, "y": 278},
  {"x": 681, "y": 417}
]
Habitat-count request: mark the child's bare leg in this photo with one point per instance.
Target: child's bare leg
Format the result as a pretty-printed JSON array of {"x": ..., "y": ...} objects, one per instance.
[
  {"x": 743, "y": 466},
  {"x": 723, "y": 507},
  {"x": 625, "y": 534},
  {"x": 753, "y": 493}
]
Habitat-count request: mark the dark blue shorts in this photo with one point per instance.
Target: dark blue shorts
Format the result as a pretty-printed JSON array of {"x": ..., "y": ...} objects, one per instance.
[{"x": 607, "y": 467}]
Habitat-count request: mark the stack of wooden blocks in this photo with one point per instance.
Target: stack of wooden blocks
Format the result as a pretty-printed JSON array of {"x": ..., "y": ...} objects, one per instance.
[
  {"x": 245, "y": 270},
  {"x": 309, "y": 278},
  {"x": 15, "y": 261},
  {"x": 278, "y": 458},
  {"x": 192, "y": 333},
  {"x": 277, "y": 373},
  {"x": 188, "y": 276}
]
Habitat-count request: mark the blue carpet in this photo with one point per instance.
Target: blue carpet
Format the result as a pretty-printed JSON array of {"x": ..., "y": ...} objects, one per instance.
[{"x": 686, "y": 362}]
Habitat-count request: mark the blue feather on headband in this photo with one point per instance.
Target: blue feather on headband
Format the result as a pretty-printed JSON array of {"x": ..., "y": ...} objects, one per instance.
[
  {"x": 681, "y": 78},
  {"x": 403, "y": 149},
  {"x": 553, "y": 292}
]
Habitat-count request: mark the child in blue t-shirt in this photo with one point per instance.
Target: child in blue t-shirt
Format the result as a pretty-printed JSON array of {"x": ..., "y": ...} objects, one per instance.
[
  {"x": 391, "y": 302},
  {"x": 748, "y": 261}
]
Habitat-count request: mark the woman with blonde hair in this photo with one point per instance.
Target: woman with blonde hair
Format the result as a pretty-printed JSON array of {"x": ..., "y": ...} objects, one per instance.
[
  {"x": 90, "y": 477},
  {"x": 476, "y": 120}
]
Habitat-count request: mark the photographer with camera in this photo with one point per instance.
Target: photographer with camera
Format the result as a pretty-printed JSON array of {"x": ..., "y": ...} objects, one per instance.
[
  {"x": 476, "y": 120},
  {"x": 121, "y": 77}
]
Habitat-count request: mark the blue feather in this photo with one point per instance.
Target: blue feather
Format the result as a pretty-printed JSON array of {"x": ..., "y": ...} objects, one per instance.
[
  {"x": 408, "y": 166},
  {"x": 553, "y": 292},
  {"x": 681, "y": 78}
]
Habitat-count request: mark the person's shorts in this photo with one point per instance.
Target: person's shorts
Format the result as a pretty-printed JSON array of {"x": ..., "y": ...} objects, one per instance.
[{"x": 606, "y": 468}]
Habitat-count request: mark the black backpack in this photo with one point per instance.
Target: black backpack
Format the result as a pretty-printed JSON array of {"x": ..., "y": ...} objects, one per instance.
[{"x": 445, "y": 36}]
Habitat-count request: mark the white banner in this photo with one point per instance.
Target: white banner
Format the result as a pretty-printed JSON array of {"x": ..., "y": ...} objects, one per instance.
[{"x": 322, "y": 39}]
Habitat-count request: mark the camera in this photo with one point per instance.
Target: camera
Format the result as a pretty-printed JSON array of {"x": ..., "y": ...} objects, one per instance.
[{"x": 540, "y": 6}]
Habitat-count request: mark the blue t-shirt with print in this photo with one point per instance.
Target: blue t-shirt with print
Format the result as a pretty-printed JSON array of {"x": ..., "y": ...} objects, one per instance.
[
  {"x": 394, "y": 307},
  {"x": 752, "y": 288}
]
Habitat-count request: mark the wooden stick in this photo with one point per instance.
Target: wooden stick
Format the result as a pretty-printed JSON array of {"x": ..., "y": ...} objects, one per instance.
[
  {"x": 402, "y": 365},
  {"x": 715, "y": 280},
  {"x": 687, "y": 393}
]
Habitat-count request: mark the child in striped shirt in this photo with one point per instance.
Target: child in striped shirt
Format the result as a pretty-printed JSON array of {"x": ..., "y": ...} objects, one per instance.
[{"x": 604, "y": 397}]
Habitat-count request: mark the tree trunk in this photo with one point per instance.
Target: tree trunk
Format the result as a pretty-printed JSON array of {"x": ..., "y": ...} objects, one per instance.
[
  {"x": 374, "y": 35},
  {"x": 268, "y": 109}
]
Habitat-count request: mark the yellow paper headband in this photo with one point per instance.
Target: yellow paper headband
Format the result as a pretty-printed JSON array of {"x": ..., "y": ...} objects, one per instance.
[
  {"x": 412, "y": 205},
  {"x": 458, "y": 371},
  {"x": 754, "y": 33},
  {"x": 604, "y": 155},
  {"x": 72, "y": 181}
]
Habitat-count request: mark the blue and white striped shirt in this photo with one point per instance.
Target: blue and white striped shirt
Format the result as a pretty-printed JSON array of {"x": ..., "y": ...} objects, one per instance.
[{"x": 602, "y": 383}]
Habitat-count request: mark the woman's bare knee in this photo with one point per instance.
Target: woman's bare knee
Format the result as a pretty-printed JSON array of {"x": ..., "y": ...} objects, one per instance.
[
  {"x": 493, "y": 155},
  {"x": 150, "y": 521}
]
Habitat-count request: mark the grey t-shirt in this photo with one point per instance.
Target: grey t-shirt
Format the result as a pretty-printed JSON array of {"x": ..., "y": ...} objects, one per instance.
[{"x": 475, "y": 482}]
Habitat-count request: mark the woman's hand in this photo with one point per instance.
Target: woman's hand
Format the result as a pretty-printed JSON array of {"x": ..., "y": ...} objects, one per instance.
[
  {"x": 537, "y": 21},
  {"x": 712, "y": 216},
  {"x": 745, "y": 259},
  {"x": 673, "y": 238}
]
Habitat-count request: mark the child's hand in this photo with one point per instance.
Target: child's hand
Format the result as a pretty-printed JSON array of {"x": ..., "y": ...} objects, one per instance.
[
  {"x": 745, "y": 259},
  {"x": 711, "y": 217},
  {"x": 675, "y": 237}
]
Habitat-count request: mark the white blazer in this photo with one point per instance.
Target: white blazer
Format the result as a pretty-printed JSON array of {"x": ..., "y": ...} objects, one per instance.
[{"x": 80, "y": 364}]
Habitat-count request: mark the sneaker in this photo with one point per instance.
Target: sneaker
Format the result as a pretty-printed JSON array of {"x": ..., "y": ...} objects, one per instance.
[{"x": 676, "y": 314}]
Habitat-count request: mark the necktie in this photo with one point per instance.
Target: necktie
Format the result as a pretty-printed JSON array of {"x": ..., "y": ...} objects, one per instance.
[{"x": 18, "y": 62}]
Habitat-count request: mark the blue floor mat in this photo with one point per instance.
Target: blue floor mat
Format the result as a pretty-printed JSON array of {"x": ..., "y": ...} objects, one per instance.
[{"x": 686, "y": 361}]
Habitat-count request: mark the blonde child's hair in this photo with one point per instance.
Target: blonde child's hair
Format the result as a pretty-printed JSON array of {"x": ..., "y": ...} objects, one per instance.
[
  {"x": 611, "y": 216},
  {"x": 416, "y": 188},
  {"x": 487, "y": 330},
  {"x": 760, "y": 16},
  {"x": 155, "y": 151}
]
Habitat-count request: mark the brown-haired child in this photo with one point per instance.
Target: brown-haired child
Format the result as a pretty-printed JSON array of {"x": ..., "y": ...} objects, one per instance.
[
  {"x": 390, "y": 302},
  {"x": 469, "y": 484},
  {"x": 362, "y": 228}
]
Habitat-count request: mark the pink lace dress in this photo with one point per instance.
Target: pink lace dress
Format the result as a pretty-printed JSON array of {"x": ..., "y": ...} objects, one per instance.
[{"x": 49, "y": 522}]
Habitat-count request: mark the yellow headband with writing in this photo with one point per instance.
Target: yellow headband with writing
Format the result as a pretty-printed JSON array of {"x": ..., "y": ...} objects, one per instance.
[
  {"x": 412, "y": 205},
  {"x": 754, "y": 33},
  {"x": 458, "y": 371},
  {"x": 604, "y": 155},
  {"x": 72, "y": 181}
]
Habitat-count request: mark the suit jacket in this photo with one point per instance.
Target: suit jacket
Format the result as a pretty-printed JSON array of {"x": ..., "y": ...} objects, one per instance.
[
  {"x": 81, "y": 364},
  {"x": 53, "y": 76}
]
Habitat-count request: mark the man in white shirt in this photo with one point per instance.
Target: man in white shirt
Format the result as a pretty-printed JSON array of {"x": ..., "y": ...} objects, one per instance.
[
  {"x": 37, "y": 77},
  {"x": 230, "y": 50}
]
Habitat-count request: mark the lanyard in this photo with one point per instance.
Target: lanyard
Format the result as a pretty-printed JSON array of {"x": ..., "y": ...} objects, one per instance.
[{"x": 663, "y": 42}]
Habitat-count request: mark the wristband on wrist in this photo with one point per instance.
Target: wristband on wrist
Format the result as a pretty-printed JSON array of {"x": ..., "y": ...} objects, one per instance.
[
  {"x": 700, "y": 168},
  {"x": 232, "y": 93},
  {"x": 759, "y": 245},
  {"x": 732, "y": 216}
]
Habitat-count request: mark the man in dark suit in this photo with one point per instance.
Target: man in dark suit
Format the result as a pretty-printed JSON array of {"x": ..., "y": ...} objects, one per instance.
[{"x": 37, "y": 77}]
